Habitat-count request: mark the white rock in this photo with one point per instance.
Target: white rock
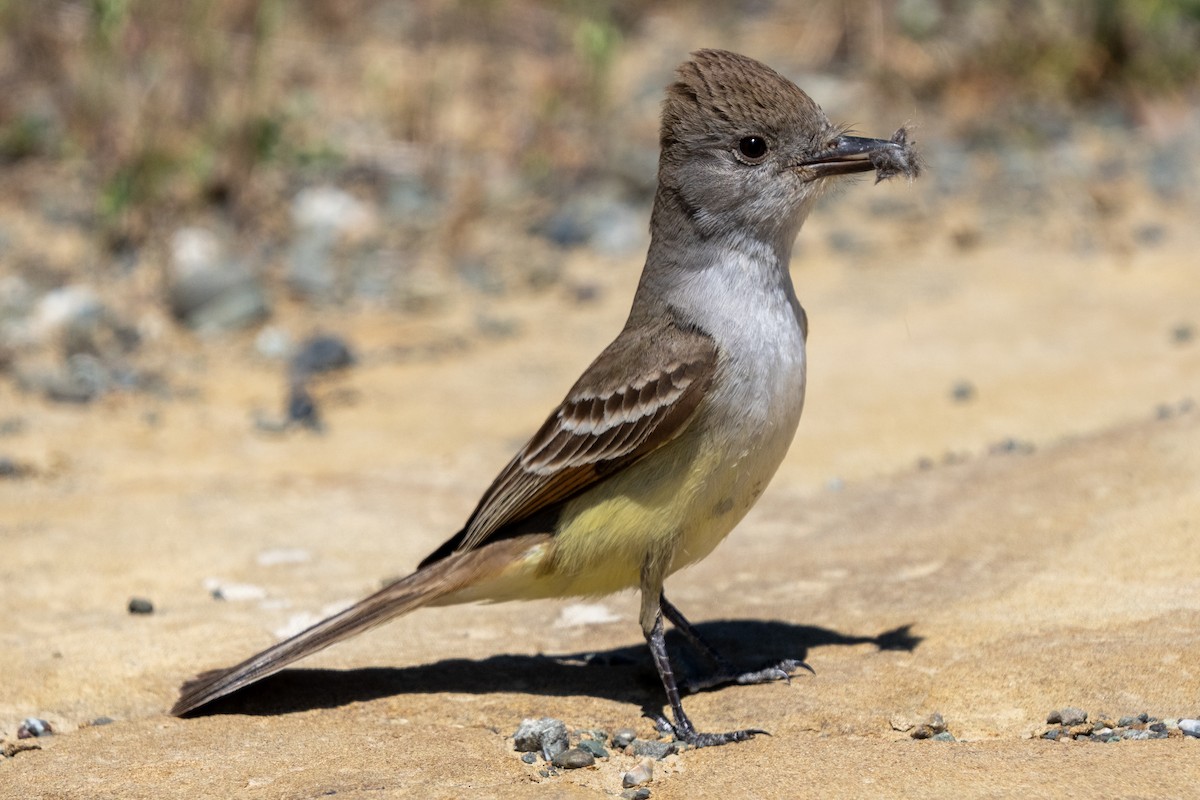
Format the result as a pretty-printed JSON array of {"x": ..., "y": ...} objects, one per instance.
[
  {"x": 333, "y": 209},
  {"x": 233, "y": 592},
  {"x": 578, "y": 614},
  {"x": 194, "y": 250}
]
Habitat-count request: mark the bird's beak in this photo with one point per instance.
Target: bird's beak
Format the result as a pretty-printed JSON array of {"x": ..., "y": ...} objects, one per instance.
[{"x": 850, "y": 154}]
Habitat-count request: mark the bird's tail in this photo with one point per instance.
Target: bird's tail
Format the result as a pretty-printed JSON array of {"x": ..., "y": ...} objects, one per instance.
[{"x": 421, "y": 588}]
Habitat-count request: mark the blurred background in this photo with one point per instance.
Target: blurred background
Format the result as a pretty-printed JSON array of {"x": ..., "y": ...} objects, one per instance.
[{"x": 232, "y": 176}]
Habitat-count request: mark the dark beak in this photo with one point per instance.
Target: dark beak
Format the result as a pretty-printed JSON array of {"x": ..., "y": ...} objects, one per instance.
[{"x": 850, "y": 154}]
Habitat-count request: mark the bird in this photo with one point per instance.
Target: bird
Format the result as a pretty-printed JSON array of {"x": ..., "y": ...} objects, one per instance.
[{"x": 673, "y": 432}]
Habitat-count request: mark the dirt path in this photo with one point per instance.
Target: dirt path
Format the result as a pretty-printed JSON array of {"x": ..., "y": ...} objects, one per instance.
[{"x": 1062, "y": 570}]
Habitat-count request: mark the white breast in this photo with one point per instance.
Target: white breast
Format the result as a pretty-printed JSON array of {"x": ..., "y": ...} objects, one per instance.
[{"x": 754, "y": 409}]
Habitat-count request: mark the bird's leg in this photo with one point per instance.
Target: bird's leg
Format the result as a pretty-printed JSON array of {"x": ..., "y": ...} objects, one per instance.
[
  {"x": 682, "y": 728},
  {"x": 724, "y": 672}
]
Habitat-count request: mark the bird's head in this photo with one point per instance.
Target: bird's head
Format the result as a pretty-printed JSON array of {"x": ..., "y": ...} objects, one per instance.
[{"x": 745, "y": 151}]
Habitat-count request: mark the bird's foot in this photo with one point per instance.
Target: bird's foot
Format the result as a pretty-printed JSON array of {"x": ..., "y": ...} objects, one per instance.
[
  {"x": 726, "y": 676},
  {"x": 684, "y": 732}
]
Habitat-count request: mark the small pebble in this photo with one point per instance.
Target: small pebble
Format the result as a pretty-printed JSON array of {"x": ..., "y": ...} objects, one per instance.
[
  {"x": 594, "y": 733},
  {"x": 140, "y": 605},
  {"x": 1190, "y": 727},
  {"x": 642, "y": 773},
  {"x": 635, "y": 794},
  {"x": 656, "y": 750},
  {"x": 546, "y": 735},
  {"x": 944, "y": 736},
  {"x": 963, "y": 392},
  {"x": 321, "y": 353},
  {"x": 1011, "y": 445},
  {"x": 1068, "y": 716},
  {"x": 1125, "y": 722},
  {"x": 623, "y": 738},
  {"x": 1158, "y": 727},
  {"x": 33, "y": 728},
  {"x": 234, "y": 592},
  {"x": 529, "y": 758},
  {"x": 930, "y": 728},
  {"x": 11, "y": 468},
  {"x": 301, "y": 407},
  {"x": 1183, "y": 334},
  {"x": 596, "y": 748},
  {"x": 574, "y": 758}
]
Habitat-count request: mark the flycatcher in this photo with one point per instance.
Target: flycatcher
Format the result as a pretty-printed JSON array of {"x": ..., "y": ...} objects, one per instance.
[{"x": 670, "y": 436}]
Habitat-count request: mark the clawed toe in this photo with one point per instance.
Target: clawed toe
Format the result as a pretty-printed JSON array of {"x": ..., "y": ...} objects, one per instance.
[
  {"x": 778, "y": 672},
  {"x": 688, "y": 735},
  {"x": 726, "y": 677}
]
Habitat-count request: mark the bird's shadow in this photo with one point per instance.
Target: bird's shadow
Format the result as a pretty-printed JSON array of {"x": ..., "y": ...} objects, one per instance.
[{"x": 623, "y": 674}]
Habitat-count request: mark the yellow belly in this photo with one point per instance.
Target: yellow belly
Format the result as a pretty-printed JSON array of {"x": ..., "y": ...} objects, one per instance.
[{"x": 672, "y": 508}]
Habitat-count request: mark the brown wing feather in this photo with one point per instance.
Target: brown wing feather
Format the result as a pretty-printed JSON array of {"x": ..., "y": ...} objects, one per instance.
[{"x": 609, "y": 419}]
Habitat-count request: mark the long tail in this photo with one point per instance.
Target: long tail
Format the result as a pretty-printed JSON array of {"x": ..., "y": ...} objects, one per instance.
[{"x": 421, "y": 588}]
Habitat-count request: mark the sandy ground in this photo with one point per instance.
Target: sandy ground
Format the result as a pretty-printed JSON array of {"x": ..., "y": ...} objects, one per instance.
[{"x": 991, "y": 587}]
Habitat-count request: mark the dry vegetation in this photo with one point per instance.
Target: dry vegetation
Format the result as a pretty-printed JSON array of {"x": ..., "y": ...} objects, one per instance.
[{"x": 155, "y": 112}]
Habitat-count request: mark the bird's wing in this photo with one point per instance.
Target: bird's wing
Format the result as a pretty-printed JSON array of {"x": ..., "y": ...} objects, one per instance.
[{"x": 641, "y": 392}]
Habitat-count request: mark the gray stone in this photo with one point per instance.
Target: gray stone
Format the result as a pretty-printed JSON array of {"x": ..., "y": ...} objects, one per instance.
[
  {"x": 207, "y": 291},
  {"x": 321, "y": 353},
  {"x": 602, "y": 219},
  {"x": 33, "y": 728},
  {"x": 623, "y": 737},
  {"x": 655, "y": 750},
  {"x": 962, "y": 392},
  {"x": 574, "y": 758},
  {"x": 140, "y": 605},
  {"x": 642, "y": 773},
  {"x": 546, "y": 735},
  {"x": 1072, "y": 716},
  {"x": 83, "y": 379},
  {"x": 596, "y": 748},
  {"x": 1190, "y": 727},
  {"x": 310, "y": 269},
  {"x": 11, "y": 468}
]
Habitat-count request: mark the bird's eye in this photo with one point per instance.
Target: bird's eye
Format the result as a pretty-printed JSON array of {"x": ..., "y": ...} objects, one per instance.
[{"x": 753, "y": 147}]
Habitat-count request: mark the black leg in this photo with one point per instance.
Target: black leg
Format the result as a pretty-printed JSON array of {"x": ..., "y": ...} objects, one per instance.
[
  {"x": 682, "y": 728},
  {"x": 725, "y": 673}
]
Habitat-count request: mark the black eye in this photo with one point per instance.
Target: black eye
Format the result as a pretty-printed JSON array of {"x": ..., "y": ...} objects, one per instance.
[{"x": 753, "y": 147}]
